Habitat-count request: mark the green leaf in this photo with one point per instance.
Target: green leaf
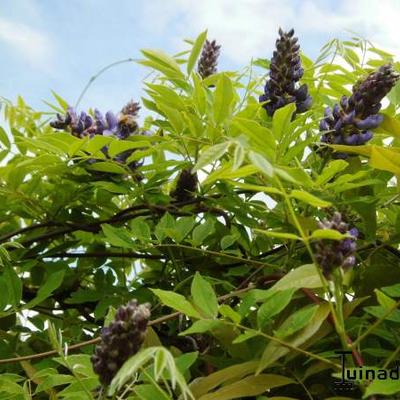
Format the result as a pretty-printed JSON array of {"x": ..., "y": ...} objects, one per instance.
[
  {"x": 162, "y": 60},
  {"x": 183, "y": 227},
  {"x": 248, "y": 387},
  {"x": 246, "y": 336},
  {"x": 196, "y": 50},
  {"x": 4, "y": 138},
  {"x": 202, "y": 326},
  {"x": 333, "y": 168},
  {"x": 273, "y": 306},
  {"x": 380, "y": 313},
  {"x": 384, "y": 300},
  {"x": 212, "y": 154},
  {"x": 54, "y": 281},
  {"x": 259, "y": 135},
  {"x": 4, "y": 294},
  {"x": 281, "y": 120},
  {"x": 261, "y": 163},
  {"x": 207, "y": 383},
  {"x": 223, "y": 99},
  {"x": 227, "y": 172},
  {"x": 279, "y": 235},
  {"x": 332, "y": 234},
  {"x": 297, "y": 321},
  {"x": 393, "y": 291},
  {"x": 309, "y": 198},
  {"x": 117, "y": 237},
  {"x": 199, "y": 95},
  {"x": 166, "y": 96},
  {"x": 119, "y": 146},
  {"x": 150, "y": 392},
  {"x": 228, "y": 312},
  {"x": 105, "y": 166},
  {"x": 186, "y": 360},
  {"x": 204, "y": 296},
  {"x": 238, "y": 157},
  {"x": 137, "y": 363},
  {"x": 305, "y": 276},
  {"x": 63, "y": 104},
  {"x": 174, "y": 118},
  {"x": 52, "y": 381},
  {"x": 177, "y": 302},
  {"x": 385, "y": 387},
  {"x": 166, "y": 227},
  {"x": 274, "y": 351},
  {"x": 140, "y": 229},
  {"x": 202, "y": 231},
  {"x": 96, "y": 143},
  {"x": 385, "y": 159},
  {"x": 14, "y": 286}
]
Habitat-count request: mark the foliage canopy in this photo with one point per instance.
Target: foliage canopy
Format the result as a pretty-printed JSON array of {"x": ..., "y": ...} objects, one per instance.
[{"x": 225, "y": 251}]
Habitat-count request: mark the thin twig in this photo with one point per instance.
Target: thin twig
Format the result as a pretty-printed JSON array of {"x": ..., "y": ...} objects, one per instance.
[{"x": 98, "y": 339}]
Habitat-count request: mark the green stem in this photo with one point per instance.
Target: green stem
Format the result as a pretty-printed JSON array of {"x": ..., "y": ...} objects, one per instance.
[
  {"x": 376, "y": 324},
  {"x": 338, "y": 325},
  {"x": 94, "y": 77},
  {"x": 338, "y": 294},
  {"x": 285, "y": 344}
]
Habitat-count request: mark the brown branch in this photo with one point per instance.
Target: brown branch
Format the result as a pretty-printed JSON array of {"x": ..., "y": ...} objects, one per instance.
[
  {"x": 98, "y": 339},
  {"x": 28, "y": 229},
  {"x": 129, "y": 254},
  {"x": 121, "y": 216}
]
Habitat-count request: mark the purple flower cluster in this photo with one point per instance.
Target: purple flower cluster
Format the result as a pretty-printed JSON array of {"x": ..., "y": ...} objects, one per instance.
[
  {"x": 120, "y": 126},
  {"x": 120, "y": 340},
  {"x": 81, "y": 125},
  {"x": 331, "y": 254},
  {"x": 351, "y": 122},
  {"x": 207, "y": 64},
  {"x": 283, "y": 87}
]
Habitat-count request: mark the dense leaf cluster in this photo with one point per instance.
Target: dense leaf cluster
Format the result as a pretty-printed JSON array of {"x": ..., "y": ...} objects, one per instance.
[{"x": 260, "y": 247}]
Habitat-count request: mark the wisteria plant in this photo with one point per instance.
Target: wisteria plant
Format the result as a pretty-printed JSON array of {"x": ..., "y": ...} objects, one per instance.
[{"x": 224, "y": 237}]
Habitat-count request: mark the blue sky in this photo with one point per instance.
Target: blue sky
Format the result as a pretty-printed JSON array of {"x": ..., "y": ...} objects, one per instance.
[{"x": 59, "y": 44}]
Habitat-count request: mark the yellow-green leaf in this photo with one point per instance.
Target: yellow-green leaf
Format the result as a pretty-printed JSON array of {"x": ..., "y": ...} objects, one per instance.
[{"x": 196, "y": 49}]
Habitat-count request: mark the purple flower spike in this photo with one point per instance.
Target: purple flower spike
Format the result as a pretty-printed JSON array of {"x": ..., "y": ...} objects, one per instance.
[
  {"x": 344, "y": 102},
  {"x": 332, "y": 254},
  {"x": 354, "y": 232},
  {"x": 208, "y": 61},
  {"x": 336, "y": 111},
  {"x": 304, "y": 105},
  {"x": 323, "y": 125},
  {"x": 112, "y": 120},
  {"x": 120, "y": 340},
  {"x": 358, "y": 114},
  {"x": 328, "y": 112},
  {"x": 119, "y": 127},
  {"x": 349, "y": 118},
  {"x": 338, "y": 125},
  {"x": 365, "y": 137},
  {"x": 371, "y": 122},
  {"x": 283, "y": 86},
  {"x": 351, "y": 140}
]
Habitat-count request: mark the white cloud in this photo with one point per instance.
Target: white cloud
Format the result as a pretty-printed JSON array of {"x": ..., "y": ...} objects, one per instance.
[
  {"x": 378, "y": 20},
  {"x": 248, "y": 28},
  {"x": 33, "y": 45}
]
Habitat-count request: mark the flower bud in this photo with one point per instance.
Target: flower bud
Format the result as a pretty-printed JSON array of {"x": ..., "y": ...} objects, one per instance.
[
  {"x": 120, "y": 340},
  {"x": 285, "y": 71},
  {"x": 331, "y": 254},
  {"x": 208, "y": 61},
  {"x": 358, "y": 114}
]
